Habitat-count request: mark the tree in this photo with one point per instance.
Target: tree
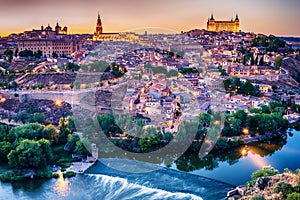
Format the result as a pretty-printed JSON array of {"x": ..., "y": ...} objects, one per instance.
[
  {"x": 278, "y": 62},
  {"x": 9, "y": 54},
  {"x": 265, "y": 172},
  {"x": 38, "y": 54},
  {"x": 5, "y": 148},
  {"x": 284, "y": 188},
  {"x": 28, "y": 131},
  {"x": 14, "y": 85},
  {"x": 81, "y": 149},
  {"x": 241, "y": 115},
  {"x": 51, "y": 133},
  {"x": 293, "y": 196},
  {"x": 256, "y": 60},
  {"x": 258, "y": 197},
  {"x": 54, "y": 55},
  {"x": 26, "y": 53},
  {"x": 172, "y": 73},
  {"x": 261, "y": 61},
  {"x": 252, "y": 59},
  {"x": 236, "y": 125},
  {"x": 247, "y": 88},
  {"x": 64, "y": 131},
  {"x": 221, "y": 143},
  {"x": 31, "y": 154},
  {"x": 16, "y": 52},
  {"x": 205, "y": 119},
  {"x": 72, "y": 140},
  {"x": 38, "y": 118},
  {"x": 71, "y": 66},
  {"x": 266, "y": 109}
]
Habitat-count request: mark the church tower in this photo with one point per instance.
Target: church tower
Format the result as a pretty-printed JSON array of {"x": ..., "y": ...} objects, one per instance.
[{"x": 99, "y": 29}]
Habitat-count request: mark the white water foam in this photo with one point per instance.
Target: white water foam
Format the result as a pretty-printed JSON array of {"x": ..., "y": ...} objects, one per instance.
[{"x": 119, "y": 188}]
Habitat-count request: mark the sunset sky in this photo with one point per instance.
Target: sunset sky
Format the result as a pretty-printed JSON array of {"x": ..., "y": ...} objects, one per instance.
[{"x": 279, "y": 17}]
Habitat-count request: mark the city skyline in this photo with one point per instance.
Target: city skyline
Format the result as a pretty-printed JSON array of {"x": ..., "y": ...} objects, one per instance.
[{"x": 277, "y": 17}]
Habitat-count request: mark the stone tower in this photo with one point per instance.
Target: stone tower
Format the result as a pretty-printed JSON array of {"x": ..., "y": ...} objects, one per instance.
[{"x": 99, "y": 29}]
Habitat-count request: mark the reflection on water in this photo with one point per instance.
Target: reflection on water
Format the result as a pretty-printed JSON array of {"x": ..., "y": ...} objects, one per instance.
[
  {"x": 253, "y": 152},
  {"x": 61, "y": 185}
]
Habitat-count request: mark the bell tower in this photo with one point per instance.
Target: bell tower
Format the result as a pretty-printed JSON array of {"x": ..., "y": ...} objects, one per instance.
[{"x": 99, "y": 28}]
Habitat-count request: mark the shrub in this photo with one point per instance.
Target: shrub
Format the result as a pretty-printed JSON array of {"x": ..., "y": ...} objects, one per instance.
[
  {"x": 284, "y": 188},
  {"x": 258, "y": 197},
  {"x": 265, "y": 172},
  {"x": 69, "y": 174},
  {"x": 293, "y": 196},
  {"x": 11, "y": 176}
]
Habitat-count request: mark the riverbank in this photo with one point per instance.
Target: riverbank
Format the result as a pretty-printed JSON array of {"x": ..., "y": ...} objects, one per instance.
[{"x": 268, "y": 184}]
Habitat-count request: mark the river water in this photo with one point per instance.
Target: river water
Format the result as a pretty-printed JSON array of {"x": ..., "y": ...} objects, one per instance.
[{"x": 184, "y": 179}]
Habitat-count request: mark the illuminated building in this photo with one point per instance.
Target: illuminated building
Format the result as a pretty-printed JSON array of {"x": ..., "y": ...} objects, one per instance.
[
  {"x": 99, "y": 35},
  {"x": 217, "y": 26}
]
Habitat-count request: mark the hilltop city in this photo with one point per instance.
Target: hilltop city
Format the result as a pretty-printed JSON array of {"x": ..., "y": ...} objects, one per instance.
[{"x": 171, "y": 80}]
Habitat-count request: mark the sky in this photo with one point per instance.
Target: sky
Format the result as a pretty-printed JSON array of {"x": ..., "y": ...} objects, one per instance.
[{"x": 278, "y": 17}]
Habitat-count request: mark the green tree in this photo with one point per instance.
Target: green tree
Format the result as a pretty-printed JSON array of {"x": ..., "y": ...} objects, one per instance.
[
  {"x": 38, "y": 118},
  {"x": 258, "y": 197},
  {"x": 14, "y": 85},
  {"x": 278, "y": 62},
  {"x": 54, "y": 55},
  {"x": 261, "y": 61},
  {"x": 64, "y": 131},
  {"x": 9, "y": 54},
  {"x": 51, "y": 133},
  {"x": 31, "y": 154},
  {"x": 81, "y": 149},
  {"x": 28, "y": 131},
  {"x": 264, "y": 172},
  {"x": 236, "y": 125},
  {"x": 71, "y": 66},
  {"x": 5, "y": 148},
  {"x": 72, "y": 140},
  {"x": 284, "y": 188},
  {"x": 172, "y": 73},
  {"x": 16, "y": 52},
  {"x": 266, "y": 109},
  {"x": 205, "y": 119},
  {"x": 247, "y": 88},
  {"x": 293, "y": 196},
  {"x": 26, "y": 53},
  {"x": 38, "y": 54}
]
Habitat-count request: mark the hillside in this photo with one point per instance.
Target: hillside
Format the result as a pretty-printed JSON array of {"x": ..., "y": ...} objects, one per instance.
[
  {"x": 276, "y": 187},
  {"x": 293, "y": 66}
]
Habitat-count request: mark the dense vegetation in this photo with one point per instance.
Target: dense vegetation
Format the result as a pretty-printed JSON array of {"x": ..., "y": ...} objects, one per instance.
[
  {"x": 37, "y": 147},
  {"x": 259, "y": 121},
  {"x": 102, "y": 66},
  {"x": 162, "y": 70},
  {"x": 284, "y": 188},
  {"x": 271, "y": 42},
  {"x": 236, "y": 86}
]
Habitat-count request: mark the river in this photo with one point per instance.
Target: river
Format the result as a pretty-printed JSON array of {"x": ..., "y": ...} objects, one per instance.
[{"x": 184, "y": 179}]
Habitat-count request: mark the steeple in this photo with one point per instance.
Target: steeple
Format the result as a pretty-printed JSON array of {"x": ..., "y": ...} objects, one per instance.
[
  {"x": 236, "y": 17},
  {"x": 212, "y": 17},
  {"x": 99, "y": 28}
]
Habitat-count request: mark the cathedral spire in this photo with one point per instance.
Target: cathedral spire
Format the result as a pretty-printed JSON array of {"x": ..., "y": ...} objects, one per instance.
[
  {"x": 212, "y": 17},
  {"x": 99, "y": 28}
]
